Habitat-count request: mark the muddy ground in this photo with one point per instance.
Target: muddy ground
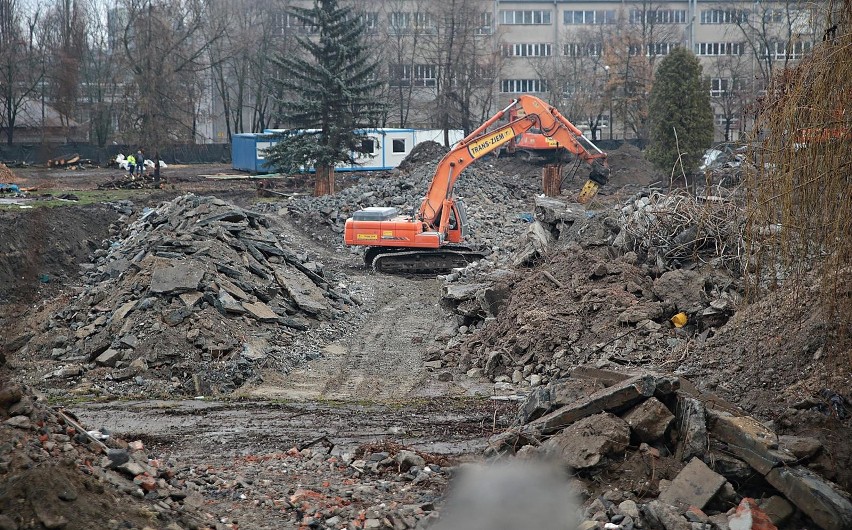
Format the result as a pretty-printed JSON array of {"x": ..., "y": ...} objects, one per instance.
[{"x": 296, "y": 449}]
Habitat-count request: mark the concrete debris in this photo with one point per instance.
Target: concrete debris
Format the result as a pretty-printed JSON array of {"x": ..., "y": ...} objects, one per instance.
[
  {"x": 197, "y": 274},
  {"x": 749, "y": 440},
  {"x": 821, "y": 500},
  {"x": 586, "y": 443},
  {"x": 692, "y": 427},
  {"x": 695, "y": 485},
  {"x": 56, "y": 476},
  {"x": 611, "y": 398},
  {"x": 649, "y": 420}
]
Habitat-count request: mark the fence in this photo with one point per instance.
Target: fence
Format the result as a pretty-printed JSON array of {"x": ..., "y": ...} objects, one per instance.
[{"x": 36, "y": 154}]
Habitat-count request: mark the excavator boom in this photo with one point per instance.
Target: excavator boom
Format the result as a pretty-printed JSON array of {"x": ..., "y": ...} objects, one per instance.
[{"x": 435, "y": 235}]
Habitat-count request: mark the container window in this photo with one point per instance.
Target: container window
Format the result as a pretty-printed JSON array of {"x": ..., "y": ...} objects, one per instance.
[
  {"x": 368, "y": 146},
  {"x": 399, "y": 146}
]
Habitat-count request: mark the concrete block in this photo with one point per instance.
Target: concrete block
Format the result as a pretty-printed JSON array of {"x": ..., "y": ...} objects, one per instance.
[
  {"x": 819, "y": 499},
  {"x": 749, "y": 440},
  {"x": 695, "y": 485},
  {"x": 649, "y": 420},
  {"x": 617, "y": 396}
]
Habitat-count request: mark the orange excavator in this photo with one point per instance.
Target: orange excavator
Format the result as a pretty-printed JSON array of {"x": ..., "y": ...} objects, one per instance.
[{"x": 432, "y": 240}]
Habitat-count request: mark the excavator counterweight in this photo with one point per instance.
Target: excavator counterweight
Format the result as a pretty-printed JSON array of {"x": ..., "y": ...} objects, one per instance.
[{"x": 432, "y": 240}]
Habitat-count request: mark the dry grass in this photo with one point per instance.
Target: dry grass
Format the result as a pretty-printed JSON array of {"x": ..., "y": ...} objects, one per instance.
[{"x": 799, "y": 191}]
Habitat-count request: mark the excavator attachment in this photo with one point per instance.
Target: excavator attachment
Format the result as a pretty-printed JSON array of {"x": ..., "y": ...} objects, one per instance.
[{"x": 590, "y": 189}]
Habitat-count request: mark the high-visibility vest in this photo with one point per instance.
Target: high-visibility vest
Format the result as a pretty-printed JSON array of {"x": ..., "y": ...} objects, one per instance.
[{"x": 131, "y": 159}]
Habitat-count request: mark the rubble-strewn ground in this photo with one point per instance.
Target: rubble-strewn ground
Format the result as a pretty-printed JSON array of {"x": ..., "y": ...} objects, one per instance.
[{"x": 330, "y": 397}]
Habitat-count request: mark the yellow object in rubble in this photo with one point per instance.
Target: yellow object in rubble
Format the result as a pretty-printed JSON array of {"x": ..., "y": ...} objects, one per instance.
[{"x": 679, "y": 320}]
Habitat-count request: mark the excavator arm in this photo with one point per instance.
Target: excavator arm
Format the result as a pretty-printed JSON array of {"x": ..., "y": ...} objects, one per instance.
[
  {"x": 532, "y": 112},
  {"x": 433, "y": 240}
]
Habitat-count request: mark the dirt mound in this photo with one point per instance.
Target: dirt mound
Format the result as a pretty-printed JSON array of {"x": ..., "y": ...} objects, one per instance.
[
  {"x": 629, "y": 166},
  {"x": 55, "y": 475},
  {"x": 42, "y": 247},
  {"x": 423, "y": 153},
  {"x": 6, "y": 175},
  {"x": 194, "y": 298}
]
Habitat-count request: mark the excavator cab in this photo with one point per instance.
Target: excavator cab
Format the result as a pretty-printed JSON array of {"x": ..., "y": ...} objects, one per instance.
[{"x": 457, "y": 229}]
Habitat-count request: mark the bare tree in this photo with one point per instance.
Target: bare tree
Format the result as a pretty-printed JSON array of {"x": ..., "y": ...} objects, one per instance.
[
  {"x": 632, "y": 48},
  {"x": 166, "y": 47},
  {"x": 460, "y": 45},
  {"x": 774, "y": 32},
  {"x": 64, "y": 31},
  {"x": 21, "y": 70}
]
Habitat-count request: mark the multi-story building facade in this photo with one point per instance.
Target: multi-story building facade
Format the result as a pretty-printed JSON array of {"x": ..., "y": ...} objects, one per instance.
[
  {"x": 453, "y": 64},
  {"x": 594, "y": 59}
]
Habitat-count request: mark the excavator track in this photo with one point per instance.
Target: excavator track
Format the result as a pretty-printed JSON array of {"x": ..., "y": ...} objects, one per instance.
[{"x": 421, "y": 261}]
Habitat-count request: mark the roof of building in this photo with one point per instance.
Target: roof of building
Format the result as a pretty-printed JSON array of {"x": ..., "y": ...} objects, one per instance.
[{"x": 30, "y": 116}]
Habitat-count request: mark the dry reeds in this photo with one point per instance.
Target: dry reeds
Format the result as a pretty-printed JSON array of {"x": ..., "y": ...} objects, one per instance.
[{"x": 799, "y": 190}]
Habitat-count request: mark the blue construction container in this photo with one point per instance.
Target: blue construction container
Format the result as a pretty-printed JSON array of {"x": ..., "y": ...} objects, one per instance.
[{"x": 385, "y": 148}]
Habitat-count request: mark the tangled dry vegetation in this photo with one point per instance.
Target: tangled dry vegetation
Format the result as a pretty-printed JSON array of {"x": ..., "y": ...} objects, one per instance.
[{"x": 800, "y": 190}]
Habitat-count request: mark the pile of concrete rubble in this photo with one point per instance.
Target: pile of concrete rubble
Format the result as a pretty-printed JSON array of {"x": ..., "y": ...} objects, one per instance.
[
  {"x": 192, "y": 298},
  {"x": 651, "y": 451},
  {"x": 498, "y": 204},
  {"x": 56, "y": 474},
  {"x": 520, "y": 327}
]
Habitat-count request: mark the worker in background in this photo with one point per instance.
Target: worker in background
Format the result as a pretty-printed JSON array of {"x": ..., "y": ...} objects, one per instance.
[
  {"x": 131, "y": 164},
  {"x": 140, "y": 162}
]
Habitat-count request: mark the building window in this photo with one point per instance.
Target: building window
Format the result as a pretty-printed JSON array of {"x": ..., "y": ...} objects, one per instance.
[
  {"x": 722, "y": 86},
  {"x": 521, "y": 86},
  {"x": 724, "y": 16},
  {"x": 486, "y": 23},
  {"x": 423, "y": 75},
  {"x": 541, "y": 49},
  {"x": 582, "y": 49},
  {"x": 773, "y": 15},
  {"x": 526, "y": 17},
  {"x": 588, "y": 18},
  {"x": 780, "y": 50},
  {"x": 408, "y": 22},
  {"x": 658, "y": 16},
  {"x": 722, "y": 119},
  {"x": 371, "y": 21},
  {"x": 368, "y": 146},
  {"x": 290, "y": 23},
  {"x": 650, "y": 50},
  {"x": 719, "y": 48},
  {"x": 399, "y": 145}
]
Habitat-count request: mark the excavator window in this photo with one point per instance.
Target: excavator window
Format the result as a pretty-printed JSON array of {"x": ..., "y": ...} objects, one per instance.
[{"x": 453, "y": 222}]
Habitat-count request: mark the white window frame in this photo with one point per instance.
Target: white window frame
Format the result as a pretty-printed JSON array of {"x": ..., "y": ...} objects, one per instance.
[
  {"x": 588, "y": 17},
  {"x": 522, "y": 86},
  {"x": 527, "y": 49},
  {"x": 526, "y": 17}
]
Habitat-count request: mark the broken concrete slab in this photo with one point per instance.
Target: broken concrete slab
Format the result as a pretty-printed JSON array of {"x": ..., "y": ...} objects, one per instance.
[
  {"x": 818, "y": 498},
  {"x": 123, "y": 310},
  {"x": 260, "y": 311},
  {"x": 191, "y": 298},
  {"x": 665, "y": 516},
  {"x": 649, "y": 420},
  {"x": 777, "y": 508},
  {"x": 553, "y": 211},
  {"x": 232, "y": 289},
  {"x": 695, "y": 485},
  {"x": 228, "y": 304},
  {"x": 177, "y": 277},
  {"x": 587, "y": 442},
  {"x": 692, "y": 427},
  {"x": 802, "y": 447},
  {"x": 302, "y": 291},
  {"x": 108, "y": 358},
  {"x": 461, "y": 292},
  {"x": 749, "y": 440},
  {"x": 611, "y": 398},
  {"x": 533, "y": 243}
]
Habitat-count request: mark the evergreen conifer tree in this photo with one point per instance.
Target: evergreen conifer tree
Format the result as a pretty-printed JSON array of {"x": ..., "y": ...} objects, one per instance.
[
  {"x": 333, "y": 83},
  {"x": 680, "y": 100}
]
